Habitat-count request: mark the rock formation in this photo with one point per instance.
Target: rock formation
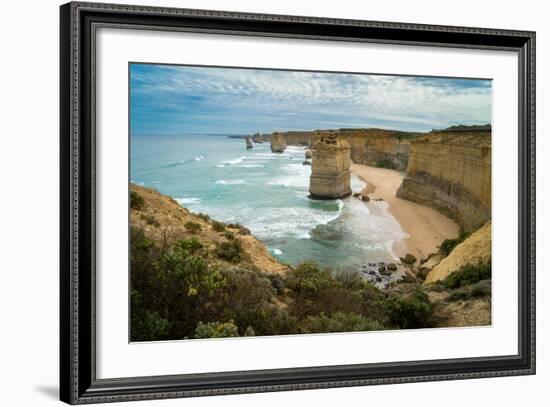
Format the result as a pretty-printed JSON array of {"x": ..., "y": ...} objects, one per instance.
[
  {"x": 309, "y": 154},
  {"x": 451, "y": 172},
  {"x": 278, "y": 143},
  {"x": 330, "y": 167},
  {"x": 474, "y": 250},
  {"x": 248, "y": 141}
]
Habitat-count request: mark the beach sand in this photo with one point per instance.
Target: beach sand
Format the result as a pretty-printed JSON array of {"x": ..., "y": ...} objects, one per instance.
[{"x": 426, "y": 227}]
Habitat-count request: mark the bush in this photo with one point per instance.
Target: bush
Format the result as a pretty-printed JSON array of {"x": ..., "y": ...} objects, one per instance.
[
  {"x": 339, "y": 322},
  {"x": 468, "y": 274},
  {"x": 412, "y": 310},
  {"x": 242, "y": 229},
  {"x": 192, "y": 227},
  {"x": 150, "y": 220},
  {"x": 386, "y": 163},
  {"x": 218, "y": 226},
  {"x": 136, "y": 201},
  {"x": 204, "y": 217},
  {"x": 216, "y": 330},
  {"x": 229, "y": 235},
  {"x": 148, "y": 326},
  {"x": 230, "y": 251},
  {"x": 482, "y": 289},
  {"x": 449, "y": 244}
]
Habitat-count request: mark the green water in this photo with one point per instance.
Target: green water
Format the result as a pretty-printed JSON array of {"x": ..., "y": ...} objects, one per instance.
[{"x": 267, "y": 193}]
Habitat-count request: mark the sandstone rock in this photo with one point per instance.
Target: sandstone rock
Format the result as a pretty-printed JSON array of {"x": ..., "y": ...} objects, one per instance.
[
  {"x": 278, "y": 143},
  {"x": 357, "y": 195},
  {"x": 451, "y": 172},
  {"x": 365, "y": 198},
  {"x": 248, "y": 142},
  {"x": 473, "y": 250},
  {"x": 306, "y": 163},
  {"x": 330, "y": 171},
  {"x": 391, "y": 266},
  {"x": 309, "y": 154},
  {"x": 408, "y": 259}
]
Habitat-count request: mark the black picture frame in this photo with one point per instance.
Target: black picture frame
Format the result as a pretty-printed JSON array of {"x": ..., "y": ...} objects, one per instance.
[{"x": 78, "y": 382}]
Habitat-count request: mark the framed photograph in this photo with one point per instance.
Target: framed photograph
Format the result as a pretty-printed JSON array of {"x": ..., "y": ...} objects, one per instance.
[{"x": 254, "y": 203}]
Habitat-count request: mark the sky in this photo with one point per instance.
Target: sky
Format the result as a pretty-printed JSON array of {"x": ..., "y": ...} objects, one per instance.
[{"x": 175, "y": 99}]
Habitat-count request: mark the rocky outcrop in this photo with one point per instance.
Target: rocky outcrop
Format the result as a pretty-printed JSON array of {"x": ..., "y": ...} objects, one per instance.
[
  {"x": 330, "y": 167},
  {"x": 248, "y": 142},
  {"x": 308, "y": 154},
  {"x": 164, "y": 221},
  {"x": 451, "y": 172},
  {"x": 278, "y": 143},
  {"x": 473, "y": 250}
]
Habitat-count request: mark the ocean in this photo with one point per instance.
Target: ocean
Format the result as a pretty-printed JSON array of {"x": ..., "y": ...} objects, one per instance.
[{"x": 267, "y": 193}]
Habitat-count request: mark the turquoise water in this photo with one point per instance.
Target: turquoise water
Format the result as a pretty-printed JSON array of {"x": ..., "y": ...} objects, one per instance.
[{"x": 267, "y": 193}]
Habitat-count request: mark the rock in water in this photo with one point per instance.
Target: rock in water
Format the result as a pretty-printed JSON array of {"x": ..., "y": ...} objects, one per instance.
[
  {"x": 278, "y": 143},
  {"x": 248, "y": 141},
  {"x": 309, "y": 154},
  {"x": 330, "y": 167}
]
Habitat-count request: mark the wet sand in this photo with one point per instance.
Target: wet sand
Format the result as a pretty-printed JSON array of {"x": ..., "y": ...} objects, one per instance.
[{"x": 426, "y": 227}]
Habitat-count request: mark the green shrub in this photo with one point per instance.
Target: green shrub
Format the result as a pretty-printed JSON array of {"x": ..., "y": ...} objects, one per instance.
[
  {"x": 339, "y": 322},
  {"x": 449, "y": 244},
  {"x": 148, "y": 326},
  {"x": 218, "y": 226},
  {"x": 204, "y": 217},
  {"x": 150, "y": 220},
  {"x": 242, "y": 229},
  {"x": 412, "y": 310},
  {"x": 386, "y": 163},
  {"x": 230, "y": 251},
  {"x": 229, "y": 235},
  {"x": 192, "y": 227},
  {"x": 468, "y": 274},
  {"x": 136, "y": 201},
  {"x": 216, "y": 330}
]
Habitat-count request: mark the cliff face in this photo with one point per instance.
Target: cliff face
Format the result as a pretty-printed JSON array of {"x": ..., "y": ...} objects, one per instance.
[
  {"x": 451, "y": 172},
  {"x": 379, "y": 148},
  {"x": 278, "y": 143},
  {"x": 330, "y": 167},
  {"x": 376, "y": 147}
]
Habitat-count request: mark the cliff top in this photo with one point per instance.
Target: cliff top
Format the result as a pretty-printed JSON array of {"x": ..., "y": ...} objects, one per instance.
[
  {"x": 164, "y": 221},
  {"x": 465, "y": 138},
  {"x": 330, "y": 141}
]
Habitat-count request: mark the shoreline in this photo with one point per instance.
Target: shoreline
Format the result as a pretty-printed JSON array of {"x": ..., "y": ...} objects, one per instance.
[{"x": 426, "y": 227}]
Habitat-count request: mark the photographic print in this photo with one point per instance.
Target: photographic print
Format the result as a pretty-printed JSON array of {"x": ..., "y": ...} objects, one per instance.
[{"x": 276, "y": 202}]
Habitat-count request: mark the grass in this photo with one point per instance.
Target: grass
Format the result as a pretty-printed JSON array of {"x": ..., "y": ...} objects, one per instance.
[
  {"x": 230, "y": 251},
  {"x": 218, "y": 226}
]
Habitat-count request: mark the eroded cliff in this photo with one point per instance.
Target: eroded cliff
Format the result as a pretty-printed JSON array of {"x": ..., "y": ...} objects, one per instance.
[
  {"x": 330, "y": 167},
  {"x": 451, "y": 172}
]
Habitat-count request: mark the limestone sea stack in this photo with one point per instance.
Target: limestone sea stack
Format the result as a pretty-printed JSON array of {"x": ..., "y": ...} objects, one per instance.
[
  {"x": 248, "y": 141},
  {"x": 278, "y": 143},
  {"x": 330, "y": 167}
]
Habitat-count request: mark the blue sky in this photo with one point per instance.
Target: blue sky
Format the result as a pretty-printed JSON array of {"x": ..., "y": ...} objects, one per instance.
[{"x": 169, "y": 99}]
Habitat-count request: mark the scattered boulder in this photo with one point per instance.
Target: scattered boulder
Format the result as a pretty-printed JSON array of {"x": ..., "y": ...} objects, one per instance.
[
  {"x": 309, "y": 154},
  {"x": 408, "y": 259},
  {"x": 365, "y": 198},
  {"x": 306, "y": 163},
  {"x": 357, "y": 194},
  {"x": 391, "y": 266}
]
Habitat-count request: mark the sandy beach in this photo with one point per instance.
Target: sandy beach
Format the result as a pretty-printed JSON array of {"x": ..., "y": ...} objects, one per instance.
[{"x": 426, "y": 227}]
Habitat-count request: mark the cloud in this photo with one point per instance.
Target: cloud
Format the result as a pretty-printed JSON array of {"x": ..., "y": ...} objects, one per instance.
[{"x": 180, "y": 99}]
